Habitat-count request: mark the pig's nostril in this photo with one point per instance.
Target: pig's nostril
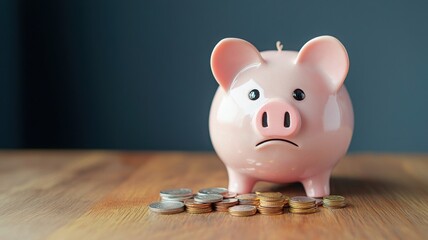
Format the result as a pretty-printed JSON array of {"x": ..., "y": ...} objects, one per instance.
[
  {"x": 264, "y": 120},
  {"x": 287, "y": 120}
]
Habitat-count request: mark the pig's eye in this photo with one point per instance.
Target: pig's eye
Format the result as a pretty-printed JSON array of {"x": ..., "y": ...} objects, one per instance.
[
  {"x": 298, "y": 94},
  {"x": 254, "y": 94}
]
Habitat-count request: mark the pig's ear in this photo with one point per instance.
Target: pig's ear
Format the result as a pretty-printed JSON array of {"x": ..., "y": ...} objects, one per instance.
[
  {"x": 329, "y": 55},
  {"x": 229, "y": 57}
]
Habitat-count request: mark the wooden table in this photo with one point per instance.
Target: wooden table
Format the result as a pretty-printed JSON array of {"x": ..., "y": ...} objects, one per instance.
[{"x": 104, "y": 195}]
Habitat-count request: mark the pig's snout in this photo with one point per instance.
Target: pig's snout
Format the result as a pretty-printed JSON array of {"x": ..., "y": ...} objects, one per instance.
[{"x": 277, "y": 118}]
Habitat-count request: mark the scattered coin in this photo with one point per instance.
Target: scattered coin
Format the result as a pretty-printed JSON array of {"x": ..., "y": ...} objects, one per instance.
[
  {"x": 242, "y": 210},
  {"x": 167, "y": 207},
  {"x": 221, "y": 200},
  {"x": 208, "y": 198},
  {"x": 334, "y": 201}
]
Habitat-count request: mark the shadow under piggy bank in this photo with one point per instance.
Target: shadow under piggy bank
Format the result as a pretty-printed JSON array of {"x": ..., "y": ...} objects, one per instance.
[{"x": 347, "y": 187}]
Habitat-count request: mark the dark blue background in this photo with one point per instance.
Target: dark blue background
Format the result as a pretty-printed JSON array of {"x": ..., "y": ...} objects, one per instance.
[{"x": 136, "y": 74}]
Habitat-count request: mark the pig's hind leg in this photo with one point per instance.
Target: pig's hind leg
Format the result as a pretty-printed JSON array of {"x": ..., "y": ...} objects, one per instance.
[
  {"x": 318, "y": 185},
  {"x": 240, "y": 183}
]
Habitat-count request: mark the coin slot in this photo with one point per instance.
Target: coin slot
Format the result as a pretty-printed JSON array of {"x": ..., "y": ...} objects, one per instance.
[
  {"x": 287, "y": 120},
  {"x": 264, "y": 120}
]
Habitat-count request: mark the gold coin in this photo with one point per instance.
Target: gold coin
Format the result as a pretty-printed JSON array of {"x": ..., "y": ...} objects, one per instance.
[
  {"x": 191, "y": 203},
  {"x": 303, "y": 211},
  {"x": 248, "y": 196},
  {"x": 242, "y": 210},
  {"x": 338, "y": 205},
  {"x": 227, "y": 202},
  {"x": 302, "y": 202},
  {"x": 229, "y": 194},
  {"x": 270, "y": 196},
  {"x": 199, "y": 211},
  {"x": 334, "y": 198},
  {"x": 271, "y": 204}
]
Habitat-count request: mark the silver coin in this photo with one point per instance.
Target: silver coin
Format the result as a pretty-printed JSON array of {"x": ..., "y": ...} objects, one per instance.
[
  {"x": 179, "y": 192},
  {"x": 177, "y": 199},
  {"x": 216, "y": 190},
  {"x": 229, "y": 200},
  {"x": 242, "y": 208},
  {"x": 209, "y": 198},
  {"x": 166, "y": 207},
  {"x": 302, "y": 199}
]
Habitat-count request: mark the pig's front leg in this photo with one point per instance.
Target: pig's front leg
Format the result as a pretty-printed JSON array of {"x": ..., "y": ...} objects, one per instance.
[
  {"x": 318, "y": 185},
  {"x": 240, "y": 183}
]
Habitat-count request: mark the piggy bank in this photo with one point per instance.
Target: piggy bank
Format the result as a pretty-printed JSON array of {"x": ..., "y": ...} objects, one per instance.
[{"x": 281, "y": 116}]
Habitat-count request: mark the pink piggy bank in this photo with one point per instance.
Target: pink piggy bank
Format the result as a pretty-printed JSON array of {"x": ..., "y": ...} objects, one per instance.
[{"x": 281, "y": 116}]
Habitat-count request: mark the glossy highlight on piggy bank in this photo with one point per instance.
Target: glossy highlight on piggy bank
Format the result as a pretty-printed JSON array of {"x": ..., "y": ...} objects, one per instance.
[{"x": 281, "y": 116}]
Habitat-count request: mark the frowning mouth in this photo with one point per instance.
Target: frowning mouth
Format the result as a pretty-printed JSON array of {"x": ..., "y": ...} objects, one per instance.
[{"x": 277, "y": 139}]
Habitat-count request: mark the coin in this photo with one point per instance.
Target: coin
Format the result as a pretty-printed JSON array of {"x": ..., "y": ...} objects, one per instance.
[
  {"x": 334, "y": 198},
  {"x": 247, "y": 196},
  {"x": 248, "y": 199},
  {"x": 304, "y": 210},
  {"x": 229, "y": 194},
  {"x": 215, "y": 190},
  {"x": 302, "y": 199},
  {"x": 194, "y": 207},
  {"x": 191, "y": 203},
  {"x": 272, "y": 204},
  {"x": 224, "y": 205},
  {"x": 334, "y": 201},
  {"x": 302, "y": 202},
  {"x": 177, "y": 199},
  {"x": 242, "y": 210},
  {"x": 228, "y": 201},
  {"x": 199, "y": 210},
  {"x": 179, "y": 192},
  {"x": 208, "y": 198},
  {"x": 270, "y": 210},
  {"x": 269, "y": 196},
  {"x": 167, "y": 207}
]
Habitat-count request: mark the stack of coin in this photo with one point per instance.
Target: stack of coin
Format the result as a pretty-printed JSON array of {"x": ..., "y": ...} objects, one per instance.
[
  {"x": 194, "y": 207},
  {"x": 302, "y": 204},
  {"x": 248, "y": 199},
  {"x": 242, "y": 210},
  {"x": 334, "y": 201},
  {"x": 224, "y": 205},
  {"x": 271, "y": 203},
  {"x": 176, "y": 195},
  {"x": 167, "y": 207}
]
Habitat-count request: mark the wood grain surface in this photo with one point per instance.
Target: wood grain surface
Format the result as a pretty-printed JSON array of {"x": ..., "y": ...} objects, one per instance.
[{"x": 105, "y": 195}]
